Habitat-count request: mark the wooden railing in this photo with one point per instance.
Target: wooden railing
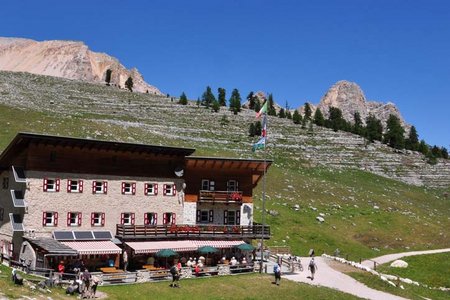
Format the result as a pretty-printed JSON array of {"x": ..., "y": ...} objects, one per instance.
[
  {"x": 220, "y": 196},
  {"x": 192, "y": 231}
]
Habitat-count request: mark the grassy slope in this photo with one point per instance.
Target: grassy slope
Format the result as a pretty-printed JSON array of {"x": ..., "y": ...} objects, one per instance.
[{"x": 408, "y": 217}]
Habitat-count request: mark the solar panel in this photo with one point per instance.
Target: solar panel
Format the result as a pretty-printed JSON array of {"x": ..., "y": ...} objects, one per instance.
[
  {"x": 83, "y": 235},
  {"x": 102, "y": 235},
  {"x": 63, "y": 235}
]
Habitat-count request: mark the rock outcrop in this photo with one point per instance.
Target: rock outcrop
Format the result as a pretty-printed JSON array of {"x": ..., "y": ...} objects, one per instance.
[{"x": 67, "y": 59}]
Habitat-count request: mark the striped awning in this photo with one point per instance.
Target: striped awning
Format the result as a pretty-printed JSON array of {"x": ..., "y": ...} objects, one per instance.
[
  {"x": 93, "y": 247},
  {"x": 153, "y": 247},
  {"x": 217, "y": 244}
]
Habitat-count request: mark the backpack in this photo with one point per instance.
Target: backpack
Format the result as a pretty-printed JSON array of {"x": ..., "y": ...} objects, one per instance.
[
  {"x": 173, "y": 270},
  {"x": 312, "y": 264}
]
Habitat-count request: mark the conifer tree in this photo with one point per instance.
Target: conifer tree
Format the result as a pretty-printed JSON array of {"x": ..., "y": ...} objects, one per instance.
[
  {"x": 394, "y": 135},
  {"x": 358, "y": 126},
  {"x": 257, "y": 105},
  {"x": 271, "y": 108},
  {"x": 335, "y": 119},
  {"x": 296, "y": 117},
  {"x": 251, "y": 100},
  {"x": 221, "y": 97},
  {"x": 374, "y": 129},
  {"x": 444, "y": 153},
  {"x": 208, "y": 97},
  {"x": 108, "y": 77},
  {"x": 281, "y": 113},
  {"x": 129, "y": 84},
  {"x": 308, "y": 111},
  {"x": 288, "y": 115},
  {"x": 235, "y": 101},
  {"x": 215, "y": 106},
  {"x": 251, "y": 130},
  {"x": 183, "y": 99},
  {"x": 423, "y": 148},
  {"x": 258, "y": 128},
  {"x": 412, "y": 142},
  {"x": 319, "y": 120}
]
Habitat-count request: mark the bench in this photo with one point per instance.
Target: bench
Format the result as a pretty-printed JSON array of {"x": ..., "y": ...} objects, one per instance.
[{"x": 110, "y": 270}]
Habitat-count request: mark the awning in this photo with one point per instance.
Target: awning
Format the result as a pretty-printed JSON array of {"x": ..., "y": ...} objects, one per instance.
[
  {"x": 153, "y": 247},
  {"x": 94, "y": 247},
  {"x": 217, "y": 244},
  {"x": 52, "y": 247}
]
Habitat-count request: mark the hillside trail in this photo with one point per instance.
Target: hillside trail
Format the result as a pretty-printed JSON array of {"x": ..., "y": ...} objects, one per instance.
[{"x": 329, "y": 277}]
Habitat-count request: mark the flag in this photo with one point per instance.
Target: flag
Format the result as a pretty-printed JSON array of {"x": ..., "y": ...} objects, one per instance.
[
  {"x": 263, "y": 110},
  {"x": 259, "y": 144},
  {"x": 264, "y": 127}
]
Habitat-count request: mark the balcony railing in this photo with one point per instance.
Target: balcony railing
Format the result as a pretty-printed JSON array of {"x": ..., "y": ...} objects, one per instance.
[
  {"x": 220, "y": 196},
  {"x": 148, "y": 232}
]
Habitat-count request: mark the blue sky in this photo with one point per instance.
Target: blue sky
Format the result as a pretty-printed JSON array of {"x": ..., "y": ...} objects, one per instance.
[{"x": 397, "y": 51}]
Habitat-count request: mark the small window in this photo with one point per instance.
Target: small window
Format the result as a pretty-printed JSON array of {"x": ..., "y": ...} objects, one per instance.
[
  {"x": 232, "y": 185},
  {"x": 99, "y": 187},
  {"x": 205, "y": 184},
  {"x": 151, "y": 189},
  {"x": 169, "y": 218},
  {"x": 231, "y": 217},
  {"x": 51, "y": 185},
  {"x": 128, "y": 188},
  {"x": 205, "y": 216},
  {"x": 50, "y": 218},
  {"x": 127, "y": 218},
  {"x": 170, "y": 190},
  {"x": 151, "y": 218},
  {"x": 5, "y": 183},
  {"x": 73, "y": 219},
  {"x": 74, "y": 186},
  {"x": 97, "y": 219}
]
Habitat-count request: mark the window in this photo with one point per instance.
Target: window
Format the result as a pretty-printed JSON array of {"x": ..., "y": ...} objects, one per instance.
[
  {"x": 73, "y": 219},
  {"x": 50, "y": 218},
  {"x": 170, "y": 190},
  {"x": 127, "y": 219},
  {"x": 74, "y": 186},
  {"x": 150, "y": 218},
  {"x": 205, "y": 216},
  {"x": 2, "y": 212},
  {"x": 99, "y": 187},
  {"x": 51, "y": 185},
  {"x": 151, "y": 189},
  {"x": 5, "y": 183},
  {"x": 205, "y": 184},
  {"x": 232, "y": 185},
  {"x": 169, "y": 218},
  {"x": 232, "y": 217},
  {"x": 97, "y": 219},
  {"x": 128, "y": 188}
]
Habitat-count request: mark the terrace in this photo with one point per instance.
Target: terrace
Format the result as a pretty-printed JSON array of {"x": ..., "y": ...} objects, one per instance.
[{"x": 226, "y": 197}]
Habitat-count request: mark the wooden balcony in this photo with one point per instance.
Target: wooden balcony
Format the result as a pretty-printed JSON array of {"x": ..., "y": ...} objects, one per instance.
[
  {"x": 226, "y": 197},
  {"x": 160, "y": 232}
]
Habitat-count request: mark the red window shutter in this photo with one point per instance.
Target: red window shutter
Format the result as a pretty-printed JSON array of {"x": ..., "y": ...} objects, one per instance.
[
  {"x": 56, "y": 218},
  {"x": 164, "y": 218},
  {"x": 156, "y": 219},
  {"x": 57, "y": 184},
  {"x": 44, "y": 186},
  {"x": 133, "y": 188},
  {"x": 103, "y": 219},
  {"x": 132, "y": 218},
  {"x": 225, "y": 217},
  {"x": 146, "y": 222},
  {"x": 238, "y": 217},
  {"x": 80, "y": 186},
  {"x": 155, "y": 189},
  {"x": 211, "y": 216},
  {"x": 123, "y": 187},
  {"x": 43, "y": 218},
  {"x": 122, "y": 218},
  {"x": 198, "y": 215},
  {"x": 68, "y": 185},
  {"x": 105, "y": 187},
  {"x": 146, "y": 189},
  {"x": 174, "y": 218},
  {"x": 174, "y": 189},
  {"x": 164, "y": 189},
  {"x": 93, "y": 187},
  {"x": 79, "y": 218},
  {"x": 92, "y": 219},
  {"x": 68, "y": 219}
]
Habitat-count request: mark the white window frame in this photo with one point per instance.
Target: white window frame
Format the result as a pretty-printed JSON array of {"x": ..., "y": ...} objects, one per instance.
[
  {"x": 128, "y": 188},
  {"x": 151, "y": 218},
  {"x": 169, "y": 189},
  {"x": 51, "y": 185},
  {"x": 168, "y": 218},
  {"x": 97, "y": 219},
  {"x": 73, "y": 219},
  {"x": 127, "y": 218},
  {"x": 99, "y": 187},
  {"x": 74, "y": 186},
  {"x": 151, "y": 189},
  {"x": 50, "y": 216}
]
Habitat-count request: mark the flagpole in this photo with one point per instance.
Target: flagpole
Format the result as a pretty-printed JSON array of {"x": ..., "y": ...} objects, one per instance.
[{"x": 263, "y": 216}]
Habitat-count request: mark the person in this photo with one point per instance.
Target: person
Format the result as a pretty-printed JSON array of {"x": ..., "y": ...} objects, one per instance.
[
  {"x": 175, "y": 275},
  {"x": 95, "y": 282},
  {"x": 125, "y": 260},
  {"x": 277, "y": 273},
  {"x": 110, "y": 262},
  {"x": 233, "y": 261},
  {"x": 244, "y": 261},
  {"x": 86, "y": 278},
  {"x": 197, "y": 270},
  {"x": 189, "y": 262},
  {"x": 61, "y": 269},
  {"x": 312, "y": 267},
  {"x": 179, "y": 266}
]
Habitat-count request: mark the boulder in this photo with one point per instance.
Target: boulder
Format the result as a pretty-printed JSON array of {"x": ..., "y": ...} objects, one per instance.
[
  {"x": 399, "y": 264},
  {"x": 320, "y": 219}
]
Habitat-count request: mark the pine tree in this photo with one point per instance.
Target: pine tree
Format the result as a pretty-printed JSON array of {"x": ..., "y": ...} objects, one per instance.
[
  {"x": 296, "y": 117},
  {"x": 251, "y": 100},
  {"x": 258, "y": 128},
  {"x": 412, "y": 142},
  {"x": 221, "y": 97},
  {"x": 374, "y": 129},
  {"x": 423, "y": 148},
  {"x": 251, "y": 130},
  {"x": 235, "y": 101},
  {"x": 308, "y": 111},
  {"x": 183, "y": 99},
  {"x": 108, "y": 77},
  {"x": 335, "y": 119},
  {"x": 288, "y": 115},
  {"x": 444, "y": 153},
  {"x": 271, "y": 108},
  {"x": 215, "y": 106},
  {"x": 319, "y": 120},
  {"x": 358, "y": 126},
  {"x": 208, "y": 97},
  {"x": 394, "y": 135},
  {"x": 129, "y": 84},
  {"x": 281, "y": 114},
  {"x": 257, "y": 105}
]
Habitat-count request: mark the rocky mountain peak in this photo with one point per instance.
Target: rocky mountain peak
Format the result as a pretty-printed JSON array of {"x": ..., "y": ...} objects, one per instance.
[{"x": 67, "y": 59}]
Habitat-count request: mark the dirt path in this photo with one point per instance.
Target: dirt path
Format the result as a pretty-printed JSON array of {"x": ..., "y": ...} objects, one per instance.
[{"x": 390, "y": 257}]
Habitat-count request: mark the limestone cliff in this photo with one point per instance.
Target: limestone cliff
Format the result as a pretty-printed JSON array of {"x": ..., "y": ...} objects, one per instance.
[{"x": 67, "y": 59}]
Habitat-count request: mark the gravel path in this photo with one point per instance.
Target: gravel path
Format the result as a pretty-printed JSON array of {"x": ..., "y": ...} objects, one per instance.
[{"x": 390, "y": 257}]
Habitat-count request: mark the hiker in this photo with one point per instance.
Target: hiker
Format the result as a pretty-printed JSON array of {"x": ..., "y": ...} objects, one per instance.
[
  {"x": 312, "y": 267},
  {"x": 175, "y": 276},
  {"x": 277, "y": 272},
  {"x": 125, "y": 260}
]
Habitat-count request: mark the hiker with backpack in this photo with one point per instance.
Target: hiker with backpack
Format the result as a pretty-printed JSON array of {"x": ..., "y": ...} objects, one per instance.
[
  {"x": 277, "y": 272},
  {"x": 175, "y": 272},
  {"x": 312, "y": 267}
]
